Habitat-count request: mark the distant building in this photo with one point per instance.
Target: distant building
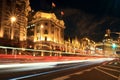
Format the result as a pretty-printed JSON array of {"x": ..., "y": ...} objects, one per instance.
[
  {"x": 13, "y": 33},
  {"x": 109, "y": 45},
  {"x": 46, "y": 31}
]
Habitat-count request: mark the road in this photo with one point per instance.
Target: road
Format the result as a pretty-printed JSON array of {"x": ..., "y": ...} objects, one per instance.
[{"x": 99, "y": 69}]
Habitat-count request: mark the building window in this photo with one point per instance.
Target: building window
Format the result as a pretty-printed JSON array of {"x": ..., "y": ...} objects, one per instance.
[
  {"x": 46, "y": 32},
  {"x": 52, "y": 25},
  {"x": 46, "y": 24},
  {"x": 45, "y": 38}
]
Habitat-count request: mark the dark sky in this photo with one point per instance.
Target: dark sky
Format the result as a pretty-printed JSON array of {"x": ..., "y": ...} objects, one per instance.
[{"x": 82, "y": 18}]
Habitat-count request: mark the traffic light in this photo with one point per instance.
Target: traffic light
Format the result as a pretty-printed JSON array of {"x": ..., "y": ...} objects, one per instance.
[{"x": 114, "y": 45}]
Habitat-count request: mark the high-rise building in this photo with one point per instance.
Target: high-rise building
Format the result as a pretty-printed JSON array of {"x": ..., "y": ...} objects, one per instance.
[{"x": 13, "y": 22}]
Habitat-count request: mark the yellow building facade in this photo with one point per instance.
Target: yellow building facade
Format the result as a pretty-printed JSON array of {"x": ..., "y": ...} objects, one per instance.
[{"x": 48, "y": 31}]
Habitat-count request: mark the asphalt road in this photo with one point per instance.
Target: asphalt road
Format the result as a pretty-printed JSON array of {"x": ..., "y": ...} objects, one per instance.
[{"x": 101, "y": 69}]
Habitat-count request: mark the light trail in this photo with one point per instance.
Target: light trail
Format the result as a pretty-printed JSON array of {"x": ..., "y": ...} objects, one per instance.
[
  {"x": 51, "y": 63},
  {"x": 43, "y": 73},
  {"x": 91, "y": 62}
]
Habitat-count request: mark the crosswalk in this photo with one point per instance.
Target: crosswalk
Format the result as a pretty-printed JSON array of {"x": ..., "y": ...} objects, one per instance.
[
  {"x": 111, "y": 69},
  {"x": 105, "y": 72}
]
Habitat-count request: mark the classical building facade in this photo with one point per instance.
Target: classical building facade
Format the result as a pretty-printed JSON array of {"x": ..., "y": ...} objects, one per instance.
[
  {"x": 47, "y": 31},
  {"x": 13, "y": 22}
]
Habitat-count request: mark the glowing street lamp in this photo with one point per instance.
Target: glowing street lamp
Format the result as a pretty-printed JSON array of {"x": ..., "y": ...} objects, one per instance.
[{"x": 13, "y": 19}]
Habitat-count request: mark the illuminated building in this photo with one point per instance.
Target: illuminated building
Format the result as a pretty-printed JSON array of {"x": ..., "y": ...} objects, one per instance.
[
  {"x": 13, "y": 30},
  {"x": 107, "y": 42},
  {"x": 109, "y": 45},
  {"x": 46, "y": 31}
]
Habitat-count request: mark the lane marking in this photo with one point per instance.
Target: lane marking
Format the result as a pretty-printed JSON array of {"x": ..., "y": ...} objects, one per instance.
[
  {"x": 62, "y": 78},
  {"x": 106, "y": 73},
  {"x": 43, "y": 73},
  {"x": 77, "y": 73},
  {"x": 88, "y": 69},
  {"x": 109, "y": 69},
  {"x": 113, "y": 66}
]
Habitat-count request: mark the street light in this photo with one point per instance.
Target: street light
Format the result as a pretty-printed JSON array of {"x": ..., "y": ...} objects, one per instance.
[{"x": 13, "y": 19}]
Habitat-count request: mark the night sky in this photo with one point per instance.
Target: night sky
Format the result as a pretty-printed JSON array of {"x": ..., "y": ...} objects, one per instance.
[{"x": 84, "y": 18}]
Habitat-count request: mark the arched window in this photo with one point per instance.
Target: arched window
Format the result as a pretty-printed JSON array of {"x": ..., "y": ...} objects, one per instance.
[
  {"x": 46, "y": 32},
  {"x": 46, "y": 24}
]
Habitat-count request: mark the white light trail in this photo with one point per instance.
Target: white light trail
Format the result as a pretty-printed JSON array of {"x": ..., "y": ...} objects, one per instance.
[
  {"x": 91, "y": 62},
  {"x": 42, "y": 65},
  {"x": 47, "y": 64}
]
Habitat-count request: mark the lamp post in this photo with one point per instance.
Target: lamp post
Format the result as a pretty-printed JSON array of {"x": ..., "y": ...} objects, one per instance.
[{"x": 12, "y": 19}]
